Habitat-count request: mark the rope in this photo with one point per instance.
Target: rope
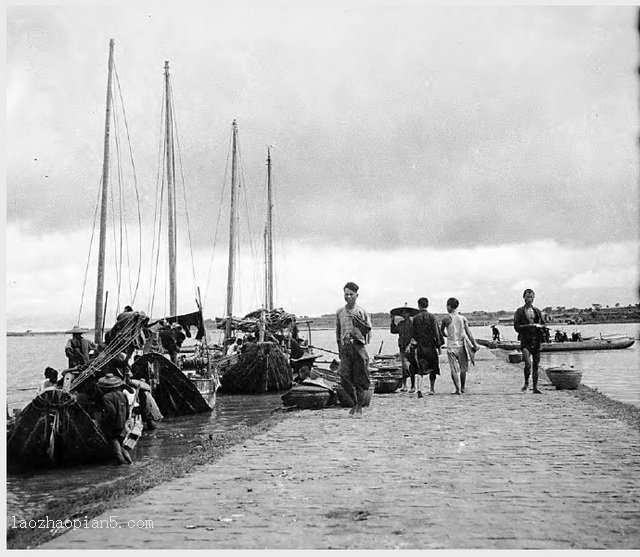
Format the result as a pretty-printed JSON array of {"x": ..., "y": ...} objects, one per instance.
[
  {"x": 86, "y": 269},
  {"x": 184, "y": 192},
  {"x": 135, "y": 183},
  {"x": 215, "y": 237},
  {"x": 125, "y": 337}
]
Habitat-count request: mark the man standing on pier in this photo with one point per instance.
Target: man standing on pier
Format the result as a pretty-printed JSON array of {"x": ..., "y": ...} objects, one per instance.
[
  {"x": 460, "y": 342},
  {"x": 428, "y": 340},
  {"x": 353, "y": 328},
  {"x": 529, "y": 324}
]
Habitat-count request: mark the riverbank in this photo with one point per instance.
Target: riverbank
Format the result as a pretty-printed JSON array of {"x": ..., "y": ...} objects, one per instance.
[
  {"x": 492, "y": 469},
  {"x": 95, "y": 500}
]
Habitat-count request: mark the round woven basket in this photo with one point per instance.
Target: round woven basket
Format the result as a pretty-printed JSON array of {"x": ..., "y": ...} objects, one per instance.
[
  {"x": 386, "y": 384},
  {"x": 515, "y": 357},
  {"x": 307, "y": 400},
  {"x": 564, "y": 377}
]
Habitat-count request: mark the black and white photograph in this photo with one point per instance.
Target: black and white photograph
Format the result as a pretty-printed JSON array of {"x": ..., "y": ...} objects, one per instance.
[{"x": 355, "y": 275}]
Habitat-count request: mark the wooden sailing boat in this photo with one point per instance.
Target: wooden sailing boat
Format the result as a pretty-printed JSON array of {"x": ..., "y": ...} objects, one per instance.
[
  {"x": 55, "y": 428},
  {"x": 174, "y": 392},
  {"x": 261, "y": 366}
]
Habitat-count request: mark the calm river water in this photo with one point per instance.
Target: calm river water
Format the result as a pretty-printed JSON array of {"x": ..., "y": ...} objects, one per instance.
[{"x": 616, "y": 373}]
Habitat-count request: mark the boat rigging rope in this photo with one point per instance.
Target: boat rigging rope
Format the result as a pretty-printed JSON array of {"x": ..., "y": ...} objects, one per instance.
[
  {"x": 130, "y": 331},
  {"x": 161, "y": 182},
  {"x": 121, "y": 205},
  {"x": 86, "y": 269},
  {"x": 215, "y": 237},
  {"x": 184, "y": 192}
]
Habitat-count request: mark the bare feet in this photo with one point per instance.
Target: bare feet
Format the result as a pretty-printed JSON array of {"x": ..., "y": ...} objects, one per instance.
[
  {"x": 420, "y": 394},
  {"x": 456, "y": 392},
  {"x": 352, "y": 411},
  {"x": 535, "y": 390},
  {"x": 432, "y": 392},
  {"x": 524, "y": 388},
  {"x": 358, "y": 412}
]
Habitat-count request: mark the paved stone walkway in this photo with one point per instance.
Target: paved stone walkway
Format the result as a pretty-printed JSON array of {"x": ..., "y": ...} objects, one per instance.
[{"x": 494, "y": 468}]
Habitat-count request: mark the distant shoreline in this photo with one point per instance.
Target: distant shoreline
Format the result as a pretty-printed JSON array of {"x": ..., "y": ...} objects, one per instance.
[{"x": 376, "y": 325}]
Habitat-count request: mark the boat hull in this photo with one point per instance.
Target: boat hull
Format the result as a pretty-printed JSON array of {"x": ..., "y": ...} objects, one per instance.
[
  {"x": 174, "y": 393},
  {"x": 592, "y": 344},
  {"x": 55, "y": 430},
  {"x": 262, "y": 368}
]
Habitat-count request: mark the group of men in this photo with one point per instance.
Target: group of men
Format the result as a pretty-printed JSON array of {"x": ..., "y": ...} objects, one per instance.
[{"x": 420, "y": 342}]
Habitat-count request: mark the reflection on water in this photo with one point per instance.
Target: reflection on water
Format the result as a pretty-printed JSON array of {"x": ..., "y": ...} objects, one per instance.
[{"x": 29, "y": 493}]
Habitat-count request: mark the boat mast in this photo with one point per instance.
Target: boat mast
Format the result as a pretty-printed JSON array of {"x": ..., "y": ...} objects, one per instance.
[
  {"x": 171, "y": 203},
  {"x": 232, "y": 231},
  {"x": 103, "y": 208},
  {"x": 269, "y": 239}
]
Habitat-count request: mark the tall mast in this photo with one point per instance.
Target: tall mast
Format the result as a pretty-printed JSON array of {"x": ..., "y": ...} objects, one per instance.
[
  {"x": 269, "y": 239},
  {"x": 232, "y": 230},
  {"x": 171, "y": 203},
  {"x": 103, "y": 207}
]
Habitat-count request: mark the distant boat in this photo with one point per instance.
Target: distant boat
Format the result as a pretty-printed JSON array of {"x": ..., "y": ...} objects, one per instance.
[{"x": 604, "y": 343}]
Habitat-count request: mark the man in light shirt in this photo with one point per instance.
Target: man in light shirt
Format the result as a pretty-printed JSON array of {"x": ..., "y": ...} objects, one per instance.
[
  {"x": 353, "y": 328},
  {"x": 459, "y": 342}
]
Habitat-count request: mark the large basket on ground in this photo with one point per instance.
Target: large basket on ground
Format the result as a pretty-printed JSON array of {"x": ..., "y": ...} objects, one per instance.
[
  {"x": 515, "y": 357},
  {"x": 386, "y": 384},
  {"x": 345, "y": 398},
  {"x": 311, "y": 394},
  {"x": 564, "y": 376},
  {"x": 307, "y": 400}
]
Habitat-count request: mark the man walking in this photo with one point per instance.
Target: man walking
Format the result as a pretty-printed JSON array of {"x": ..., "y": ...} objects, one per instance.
[
  {"x": 459, "y": 339},
  {"x": 428, "y": 340},
  {"x": 353, "y": 328},
  {"x": 529, "y": 324},
  {"x": 404, "y": 331}
]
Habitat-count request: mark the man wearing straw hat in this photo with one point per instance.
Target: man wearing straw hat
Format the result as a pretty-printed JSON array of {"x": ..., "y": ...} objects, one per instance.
[
  {"x": 115, "y": 414},
  {"x": 77, "y": 349}
]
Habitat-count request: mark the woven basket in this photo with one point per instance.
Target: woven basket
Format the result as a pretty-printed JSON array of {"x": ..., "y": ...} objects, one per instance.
[
  {"x": 564, "y": 377},
  {"x": 306, "y": 400},
  {"x": 386, "y": 385},
  {"x": 515, "y": 357}
]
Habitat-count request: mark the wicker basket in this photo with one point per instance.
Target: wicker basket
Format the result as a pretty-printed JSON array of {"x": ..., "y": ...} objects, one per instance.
[
  {"x": 564, "y": 377},
  {"x": 306, "y": 400},
  {"x": 386, "y": 385},
  {"x": 515, "y": 357}
]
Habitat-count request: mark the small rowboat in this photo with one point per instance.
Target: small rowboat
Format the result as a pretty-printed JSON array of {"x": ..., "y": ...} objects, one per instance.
[{"x": 611, "y": 343}]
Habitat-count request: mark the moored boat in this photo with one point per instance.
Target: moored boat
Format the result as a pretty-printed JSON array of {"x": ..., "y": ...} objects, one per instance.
[
  {"x": 262, "y": 364},
  {"x": 611, "y": 343},
  {"x": 54, "y": 429}
]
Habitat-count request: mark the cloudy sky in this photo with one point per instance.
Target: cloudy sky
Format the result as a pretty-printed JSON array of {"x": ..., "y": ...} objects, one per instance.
[{"x": 418, "y": 150}]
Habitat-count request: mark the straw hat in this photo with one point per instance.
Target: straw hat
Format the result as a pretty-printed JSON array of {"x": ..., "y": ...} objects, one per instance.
[
  {"x": 76, "y": 330},
  {"x": 400, "y": 311},
  {"x": 110, "y": 381}
]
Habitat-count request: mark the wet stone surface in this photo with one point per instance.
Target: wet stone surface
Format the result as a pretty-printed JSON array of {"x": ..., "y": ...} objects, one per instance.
[{"x": 493, "y": 468}]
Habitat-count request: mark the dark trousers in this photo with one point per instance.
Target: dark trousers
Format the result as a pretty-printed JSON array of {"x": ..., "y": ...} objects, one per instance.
[{"x": 354, "y": 370}]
